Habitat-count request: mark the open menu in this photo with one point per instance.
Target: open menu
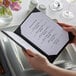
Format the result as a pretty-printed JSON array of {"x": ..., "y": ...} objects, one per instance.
[{"x": 42, "y": 33}]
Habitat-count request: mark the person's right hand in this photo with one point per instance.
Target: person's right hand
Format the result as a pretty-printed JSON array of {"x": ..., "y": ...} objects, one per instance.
[{"x": 69, "y": 28}]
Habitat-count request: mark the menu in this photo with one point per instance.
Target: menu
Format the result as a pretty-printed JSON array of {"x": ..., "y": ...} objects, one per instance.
[{"x": 41, "y": 31}]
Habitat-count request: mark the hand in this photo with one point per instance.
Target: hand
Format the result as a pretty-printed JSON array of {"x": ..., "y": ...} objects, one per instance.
[
  {"x": 69, "y": 28},
  {"x": 37, "y": 60}
]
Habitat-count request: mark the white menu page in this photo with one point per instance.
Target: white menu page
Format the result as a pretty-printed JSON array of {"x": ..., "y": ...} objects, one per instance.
[{"x": 44, "y": 33}]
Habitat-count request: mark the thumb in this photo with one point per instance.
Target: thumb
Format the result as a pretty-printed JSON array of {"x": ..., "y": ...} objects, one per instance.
[
  {"x": 64, "y": 25},
  {"x": 30, "y": 53},
  {"x": 68, "y": 29}
]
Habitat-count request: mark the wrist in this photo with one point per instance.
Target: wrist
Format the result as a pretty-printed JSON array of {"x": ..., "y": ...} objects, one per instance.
[{"x": 47, "y": 66}]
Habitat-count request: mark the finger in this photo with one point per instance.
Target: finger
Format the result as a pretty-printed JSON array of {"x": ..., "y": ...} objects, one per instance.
[
  {"x": 74, "y": 41},
  {"x": 26, "y": 54},
  {"x": 63, "y": 24},
  {"x": 68, "y": 29},
  {"x": 30, "y": 53}
]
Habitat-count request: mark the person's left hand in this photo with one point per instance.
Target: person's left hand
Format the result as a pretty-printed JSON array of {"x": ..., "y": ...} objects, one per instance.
[{"x": 37, "y": 60}]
